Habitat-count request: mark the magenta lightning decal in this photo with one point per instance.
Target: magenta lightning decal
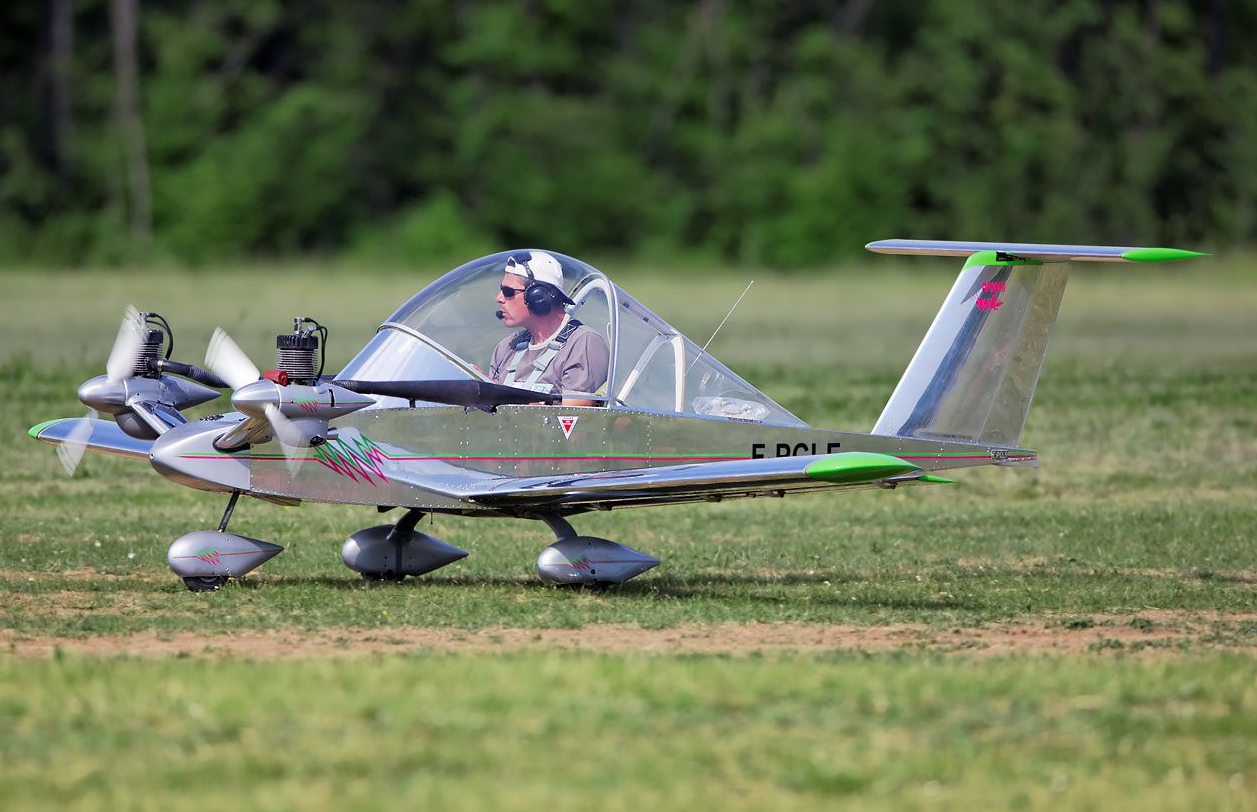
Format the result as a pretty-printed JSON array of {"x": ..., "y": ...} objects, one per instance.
[
  {"x": 991, "y": 302},
  {"x": 357, "y": 462},
  {"x": 211, "y": 556},
  {"x": 310, "y": 405}
]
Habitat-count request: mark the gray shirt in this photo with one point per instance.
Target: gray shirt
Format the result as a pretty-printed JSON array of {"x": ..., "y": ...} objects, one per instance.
[{"x": 580, "y": 366}]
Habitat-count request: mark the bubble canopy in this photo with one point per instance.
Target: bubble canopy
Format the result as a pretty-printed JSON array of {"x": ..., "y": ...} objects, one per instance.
[{"x": 449, "y": 329}]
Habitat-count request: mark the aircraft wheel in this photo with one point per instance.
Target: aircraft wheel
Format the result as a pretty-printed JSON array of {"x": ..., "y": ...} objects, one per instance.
[{"x": 205, "y": 583}]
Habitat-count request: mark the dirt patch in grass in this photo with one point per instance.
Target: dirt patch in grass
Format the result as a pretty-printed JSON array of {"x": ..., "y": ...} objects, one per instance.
[
  {"x": 82, "y": 574},
  {"x": 76, "y": 603},
  {"x": 1159, "y": 632}
]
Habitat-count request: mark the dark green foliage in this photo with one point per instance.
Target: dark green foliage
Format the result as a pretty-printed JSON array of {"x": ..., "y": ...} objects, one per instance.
[{"x": 770, "y": 133}]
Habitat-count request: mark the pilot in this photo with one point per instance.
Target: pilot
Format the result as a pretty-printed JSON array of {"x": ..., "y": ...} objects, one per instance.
[{"x": 552, "y": 352}]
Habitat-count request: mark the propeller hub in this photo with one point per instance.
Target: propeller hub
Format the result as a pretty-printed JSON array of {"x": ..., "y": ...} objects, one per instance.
[
  {"x": 252, "y": 399},
  {"x": 104, "y": 395}
]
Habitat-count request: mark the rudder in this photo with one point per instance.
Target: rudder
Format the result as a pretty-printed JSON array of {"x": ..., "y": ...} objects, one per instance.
[{"x": 973, "y": 377}]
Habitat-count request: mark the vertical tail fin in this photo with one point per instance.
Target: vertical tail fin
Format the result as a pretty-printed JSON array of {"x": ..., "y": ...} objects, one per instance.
[{"x": 973, "y": 377}]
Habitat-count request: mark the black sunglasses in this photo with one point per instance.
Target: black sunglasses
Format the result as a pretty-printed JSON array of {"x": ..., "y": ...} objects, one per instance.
[{"x": 509, "y": 292}]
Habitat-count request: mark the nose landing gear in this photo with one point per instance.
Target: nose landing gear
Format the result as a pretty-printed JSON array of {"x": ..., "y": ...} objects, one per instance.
[{"x": 205, "y": 559}]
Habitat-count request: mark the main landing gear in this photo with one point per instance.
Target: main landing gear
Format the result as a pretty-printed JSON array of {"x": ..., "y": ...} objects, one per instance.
[
  {"x": 390, "y": 552},
  {"x": 205, "y": 559},
  {"x": 587, "y": 561}
]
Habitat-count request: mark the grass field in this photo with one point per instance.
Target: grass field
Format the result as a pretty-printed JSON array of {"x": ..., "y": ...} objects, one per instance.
[{"x": 1077, "y": 636}]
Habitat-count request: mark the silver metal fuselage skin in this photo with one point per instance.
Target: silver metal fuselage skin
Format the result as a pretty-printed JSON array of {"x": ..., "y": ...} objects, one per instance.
[{"x": 427, "y": 457}]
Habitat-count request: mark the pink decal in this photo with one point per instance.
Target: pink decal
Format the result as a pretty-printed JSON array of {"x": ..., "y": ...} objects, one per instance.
[
  {"x": 215, "y": 556},
  {"x": 993, "y": 287},
  {"x": 310, "y": 405},
  {"x": 363, "y": 461},
  {"x": 586, "y": 564},
  {"x": 991, "y": 303}
]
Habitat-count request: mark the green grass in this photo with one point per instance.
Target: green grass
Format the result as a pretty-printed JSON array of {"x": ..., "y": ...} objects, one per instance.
[
  {"x": 531, "y": 731},
  {"x": 1146, "y": 500}
]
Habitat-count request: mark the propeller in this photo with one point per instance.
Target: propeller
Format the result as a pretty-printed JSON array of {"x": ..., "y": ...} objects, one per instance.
[
  {"x": 225, "y": 359},
  {"x": 123, "y": 356},
  {"x": 70, "y": 452},
  {"x": 289, "y": 437},
  {"x": 126, "y": 347}
]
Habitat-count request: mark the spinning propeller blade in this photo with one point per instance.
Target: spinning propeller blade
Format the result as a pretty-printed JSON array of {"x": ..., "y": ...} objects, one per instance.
[
  {"x": 225, "y": 359},
  {"x": 126, "y": 347},
  {"x": 71, "y": 451},
  {"x": 123, "y": 356},
  {"x": 289, "y": 436}
]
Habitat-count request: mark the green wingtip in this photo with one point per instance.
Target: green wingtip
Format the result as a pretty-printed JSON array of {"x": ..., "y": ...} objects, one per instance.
[
  {"x": 942, "y": 480},
  {"x": 35, "y": 430},
  {"x": 853, "y": 467},
  {"x": 1159, "y": 254}
]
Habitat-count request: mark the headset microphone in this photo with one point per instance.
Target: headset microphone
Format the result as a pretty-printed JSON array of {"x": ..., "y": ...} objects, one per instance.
[{"x": 499, "y": 314}]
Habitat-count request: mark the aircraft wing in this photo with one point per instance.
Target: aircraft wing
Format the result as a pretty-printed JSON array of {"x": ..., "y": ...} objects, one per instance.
[
  {"x": 106, "y": 437},
  {"x": 709, "y": 481}
]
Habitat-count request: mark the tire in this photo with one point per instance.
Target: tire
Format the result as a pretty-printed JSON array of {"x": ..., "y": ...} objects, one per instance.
[{"x": 205, "y": 583}]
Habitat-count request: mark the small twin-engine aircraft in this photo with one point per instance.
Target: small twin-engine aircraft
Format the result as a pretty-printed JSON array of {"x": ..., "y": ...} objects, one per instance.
[{"x": 412, "y": 421}]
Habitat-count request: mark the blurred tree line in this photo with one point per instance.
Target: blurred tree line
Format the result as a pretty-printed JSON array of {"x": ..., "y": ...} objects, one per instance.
[{"x": 782, "y": 132}]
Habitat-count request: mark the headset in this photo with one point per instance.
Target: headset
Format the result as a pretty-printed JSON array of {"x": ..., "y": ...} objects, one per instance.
[{"x": 541, "y": 297}]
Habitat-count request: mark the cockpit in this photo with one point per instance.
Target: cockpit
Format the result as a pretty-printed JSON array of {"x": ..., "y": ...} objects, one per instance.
[{"x": 449, "y": 330}]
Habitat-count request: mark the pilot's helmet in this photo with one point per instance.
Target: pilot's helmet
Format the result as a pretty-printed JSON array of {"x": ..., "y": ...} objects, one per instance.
[{"x": 541, "y": 268}]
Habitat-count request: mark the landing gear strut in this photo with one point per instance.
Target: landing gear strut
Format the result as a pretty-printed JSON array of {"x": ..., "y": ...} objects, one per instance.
[
  {"x": 587, "y": 561},
  {"x": 205, "y": 559}
]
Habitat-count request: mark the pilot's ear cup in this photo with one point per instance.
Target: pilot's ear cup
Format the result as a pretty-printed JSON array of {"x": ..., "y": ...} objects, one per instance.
[{"x": 539, "y": 299}]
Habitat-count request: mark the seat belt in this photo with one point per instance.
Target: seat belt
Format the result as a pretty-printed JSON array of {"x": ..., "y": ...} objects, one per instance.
[{"x": 542, "y": 362}]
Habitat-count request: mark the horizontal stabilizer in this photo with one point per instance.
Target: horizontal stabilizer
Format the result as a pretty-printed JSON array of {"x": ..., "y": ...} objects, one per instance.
[
  {"x": 1037, "y": 252},
  {"x": 106, "y": 437}
]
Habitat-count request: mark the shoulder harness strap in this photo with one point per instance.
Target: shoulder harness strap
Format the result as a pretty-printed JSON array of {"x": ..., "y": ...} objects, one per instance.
[{"x": 543, "y": 360}]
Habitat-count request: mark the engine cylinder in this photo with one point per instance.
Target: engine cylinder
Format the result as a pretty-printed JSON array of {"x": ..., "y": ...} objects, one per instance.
[
  {"x": 296, "y": 356},
  {"x": 150, "y": 350}
]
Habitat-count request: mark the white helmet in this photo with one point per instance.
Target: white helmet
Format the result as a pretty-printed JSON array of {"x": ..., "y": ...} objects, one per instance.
[{"x": 538, "y": 266}]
